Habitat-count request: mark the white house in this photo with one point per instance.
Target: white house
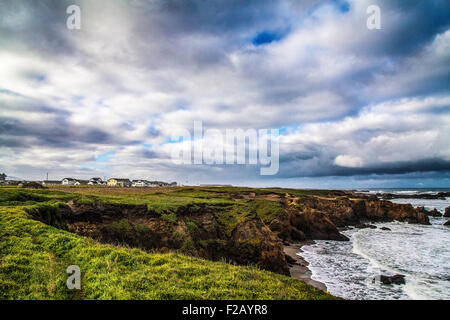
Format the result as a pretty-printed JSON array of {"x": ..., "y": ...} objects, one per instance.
[
  {"x": 96, "y": 182},
  {"x": 81, "y": 182},
  {"x": 140, "y": 183},
  {"x": 68, "y": 181}
]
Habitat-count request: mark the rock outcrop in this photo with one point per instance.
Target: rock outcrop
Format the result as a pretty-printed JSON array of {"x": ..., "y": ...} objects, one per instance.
[
  {"x": 265, "y": 247},
  {"x": 385, "y": 211},
  {"x": 439, "y": 195},
  {"x": 395, "y": 279},
  {"x": 432, "y": 213},
  {"x": 447, "y": 212},
  {"x": 316, "y": 225}
]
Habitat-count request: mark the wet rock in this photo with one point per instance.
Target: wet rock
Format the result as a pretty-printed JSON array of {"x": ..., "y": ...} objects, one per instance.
[
  {"x": 447, "y": 212},
  {"x": 385, "y": 229},
  {"x": 395, "y": 279},
  {"x": 447, "y": 223},
  {"x": 432, "y": 213},
  {"x": 365, "y": 226}
]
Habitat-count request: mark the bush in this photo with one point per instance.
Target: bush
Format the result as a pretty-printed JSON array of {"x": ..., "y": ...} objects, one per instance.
[
  {"x": 141, "y": 228},
  {"x": 120, "y": 227},
  {"x": 33, "y": 185},
  {"x": 169, "y": 217},
  {"x": 191, "y": 226}
]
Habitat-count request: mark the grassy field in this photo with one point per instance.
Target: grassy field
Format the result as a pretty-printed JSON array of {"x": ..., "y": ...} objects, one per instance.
[{"x": 34, "y": 256}]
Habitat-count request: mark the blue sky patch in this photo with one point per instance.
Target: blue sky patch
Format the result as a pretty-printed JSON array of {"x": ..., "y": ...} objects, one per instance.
[
  {"x": 266, "y": 37},
  {"x": 343, "y": 6},
  {"x": 105, "y": 157}
]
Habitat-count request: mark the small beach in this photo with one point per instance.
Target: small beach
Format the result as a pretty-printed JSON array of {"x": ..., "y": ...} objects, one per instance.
[{"x": 299, "y": 266}]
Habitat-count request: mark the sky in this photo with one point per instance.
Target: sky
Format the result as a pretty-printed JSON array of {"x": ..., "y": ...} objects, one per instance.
[{"x": 356, "y": 108}]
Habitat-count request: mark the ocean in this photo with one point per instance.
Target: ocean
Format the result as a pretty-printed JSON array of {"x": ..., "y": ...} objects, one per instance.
[{"x": 421, "y": 253}]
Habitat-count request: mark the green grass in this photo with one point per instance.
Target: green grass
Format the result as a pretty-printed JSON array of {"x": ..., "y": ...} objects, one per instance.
[
  {"x": 34, "y": 256},
  {"x": 265, "y": 209},
  {"x": 169, "y": 217}
]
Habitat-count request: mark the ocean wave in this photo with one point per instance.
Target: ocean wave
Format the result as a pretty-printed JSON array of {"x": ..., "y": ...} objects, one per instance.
[{"x": 421, "y": 253}]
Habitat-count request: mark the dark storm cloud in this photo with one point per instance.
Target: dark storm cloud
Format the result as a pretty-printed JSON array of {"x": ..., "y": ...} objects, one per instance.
[
  {"x": 56, "y": 133},
  {"x": 35, "y": 25},
  {"x": 412, "y": 24},
  {"x": 394, "y": 168}
]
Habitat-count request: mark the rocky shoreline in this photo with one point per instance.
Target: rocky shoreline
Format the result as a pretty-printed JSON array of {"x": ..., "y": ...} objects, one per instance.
[
  {"x": 269, "y": 235},
  {"x": 437, "y": 196},
  {"x": 299, "y": 267}
]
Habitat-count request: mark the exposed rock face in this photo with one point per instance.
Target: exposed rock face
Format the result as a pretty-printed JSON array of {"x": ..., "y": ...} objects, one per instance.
[
  {"x": 344, "y": 211},
  {"x": 319, "y": 218},
  {"x": 269, "y": 248},
  {"x": 251, "y": 242},
  {"x": 316, "y": 225},
  {"x": 447, "y": 212},
  {"x": 388, "y": 211}
]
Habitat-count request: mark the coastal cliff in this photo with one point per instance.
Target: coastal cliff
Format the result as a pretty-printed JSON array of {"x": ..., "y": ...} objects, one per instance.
[{"x": 249, "y": 228}]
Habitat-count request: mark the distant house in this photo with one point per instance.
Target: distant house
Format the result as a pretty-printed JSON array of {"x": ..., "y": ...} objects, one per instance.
[
  {"x": 13, "y": 182},
  {"x": 51, "y": 182},
  {"x": 96, "y": 182},
  {"x": 81, "y": 182},
  {"x": 157, "y": 184},
  {"x": 116, "y": 182},
  {"x": 161, "y": 184},
  {"x": 140, "y": 183},
  {"x": 68, "y": 182}
]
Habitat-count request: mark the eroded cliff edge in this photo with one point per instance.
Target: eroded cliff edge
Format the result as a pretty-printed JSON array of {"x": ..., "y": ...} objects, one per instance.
[{"x": 252, "y": 230}]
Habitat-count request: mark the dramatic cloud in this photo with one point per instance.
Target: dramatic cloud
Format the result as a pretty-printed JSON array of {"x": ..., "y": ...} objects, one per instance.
[{"x": 352, "y": 103}]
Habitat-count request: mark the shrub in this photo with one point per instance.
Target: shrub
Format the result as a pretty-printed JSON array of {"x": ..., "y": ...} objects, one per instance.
[
  {"x": 169, "y": 217},
  {"x": 191, "y": 226},
  {"x": 120, "y": 227}
]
